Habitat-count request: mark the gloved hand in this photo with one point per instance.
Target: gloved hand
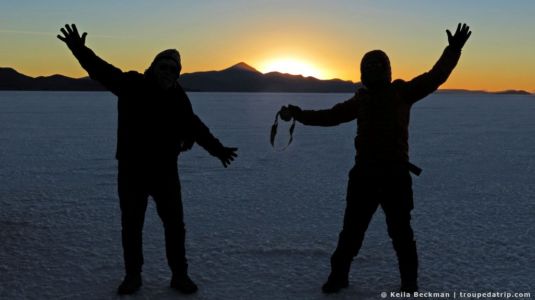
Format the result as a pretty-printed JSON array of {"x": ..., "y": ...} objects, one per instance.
[
  {"x": 460, "y": 37},
  {"x": 289, "y": 112},
  {"x": 226, "y": 155},
  {"x": 72, "y": 38}
]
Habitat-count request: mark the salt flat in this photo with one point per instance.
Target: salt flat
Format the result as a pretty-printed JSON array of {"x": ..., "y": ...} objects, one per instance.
[{"x": 265, "y": 227}]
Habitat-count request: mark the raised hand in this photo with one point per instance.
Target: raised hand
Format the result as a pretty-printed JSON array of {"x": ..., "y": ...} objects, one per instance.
[
  {"x": 227, "y": 155},
  {"x": 289, "y": 112},
  {"x": 71, "y": 37},
  {"x": 460, "y": 37}
]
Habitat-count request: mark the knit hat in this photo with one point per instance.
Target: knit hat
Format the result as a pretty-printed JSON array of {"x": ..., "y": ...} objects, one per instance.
[
  {"x": 375, "y": 69},
  {"x": 169, "y": 54}
]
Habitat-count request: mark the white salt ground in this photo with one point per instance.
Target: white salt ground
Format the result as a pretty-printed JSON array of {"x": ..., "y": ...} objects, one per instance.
[{"x": 265, "y": 227}]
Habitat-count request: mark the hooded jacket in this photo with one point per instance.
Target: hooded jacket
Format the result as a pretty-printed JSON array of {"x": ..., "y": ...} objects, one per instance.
[
  {"x": 153, "y": 124},
  {"x": 383, "y": 115}
]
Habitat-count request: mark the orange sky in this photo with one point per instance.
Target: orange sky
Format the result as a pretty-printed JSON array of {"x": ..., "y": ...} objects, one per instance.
[{"x": 327, "y": 40}]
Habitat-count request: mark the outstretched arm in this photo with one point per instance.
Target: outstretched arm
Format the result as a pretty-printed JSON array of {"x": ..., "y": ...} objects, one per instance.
[
  {"x": 429, "y": 82},
  {"x": 210, "y": 143},
  {"x": 98, "y": 69},
  {"x": 338, "y": 114}
]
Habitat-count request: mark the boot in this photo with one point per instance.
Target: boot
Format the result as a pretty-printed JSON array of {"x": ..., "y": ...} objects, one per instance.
[
  {"x": 183, "y": 284},
  {"x": 131, "y": 284},
  {"x": 334, "y": 284},
  {"x": 408, "y": 265},
  {"x": 408, "y": 287},
  {"x": 338, "y": 279}
]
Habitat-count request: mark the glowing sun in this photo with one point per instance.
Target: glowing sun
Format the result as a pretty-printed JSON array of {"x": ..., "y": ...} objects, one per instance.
[{"x": 291, "y": 66}]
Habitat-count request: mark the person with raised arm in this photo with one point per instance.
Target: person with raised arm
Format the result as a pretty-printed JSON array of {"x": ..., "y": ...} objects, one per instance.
[
  {"x": 381, "y": 175},
  {"x": 155, "y": 124}
]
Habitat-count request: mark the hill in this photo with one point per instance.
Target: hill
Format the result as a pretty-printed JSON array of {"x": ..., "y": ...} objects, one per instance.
[
  {"x": 244, "y": 78},
  {"x": 10, "y": 79},
  {"x": 240, "y": 77}
]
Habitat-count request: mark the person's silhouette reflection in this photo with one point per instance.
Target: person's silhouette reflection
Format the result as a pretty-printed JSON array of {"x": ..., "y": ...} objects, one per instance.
[{"x": 156, "y": 123}]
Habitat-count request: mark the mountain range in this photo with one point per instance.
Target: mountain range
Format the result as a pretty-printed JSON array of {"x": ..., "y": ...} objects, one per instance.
[
  {"x": 240, "y": 77},
  {"x": 10, "y": 79}
]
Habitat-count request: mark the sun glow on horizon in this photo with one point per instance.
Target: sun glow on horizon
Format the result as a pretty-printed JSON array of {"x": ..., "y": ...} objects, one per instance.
[{"x": 292, "y": 66}]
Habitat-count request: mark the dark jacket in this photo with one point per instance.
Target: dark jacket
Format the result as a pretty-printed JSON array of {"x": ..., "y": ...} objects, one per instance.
[
  {"x": 383, "y": 115},
  {"x": 152, "y": 124}
]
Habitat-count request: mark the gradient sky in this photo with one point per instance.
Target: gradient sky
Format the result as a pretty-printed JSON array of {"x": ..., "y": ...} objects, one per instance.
[{"x": 329, "y": 36}]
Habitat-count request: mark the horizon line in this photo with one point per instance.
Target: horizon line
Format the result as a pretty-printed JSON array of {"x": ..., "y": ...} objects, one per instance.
[{"x": 532, "y": 92}]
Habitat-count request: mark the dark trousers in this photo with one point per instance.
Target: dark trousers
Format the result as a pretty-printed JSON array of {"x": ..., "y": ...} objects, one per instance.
[
  {"x": 136, "y": 182},
  {"x": 387, "y": 185}
]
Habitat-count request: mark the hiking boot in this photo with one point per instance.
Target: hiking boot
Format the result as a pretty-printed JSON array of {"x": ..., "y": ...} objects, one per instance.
[
  {"x": 334, "y": 284},
  {"x": 183, "y": 284},
  {"x": 131, "y": 284},
  {"x": 408, "y": 265},
  {"x": 408, "y": 287}
]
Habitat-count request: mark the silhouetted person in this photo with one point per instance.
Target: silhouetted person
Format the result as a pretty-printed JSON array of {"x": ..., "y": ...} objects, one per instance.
[
  {"x": 155, "y": 123},
  {"x": 381, "y": 172}
]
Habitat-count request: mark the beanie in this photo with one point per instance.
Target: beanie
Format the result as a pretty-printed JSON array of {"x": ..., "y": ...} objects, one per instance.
[{"x": 169, "y": 54}]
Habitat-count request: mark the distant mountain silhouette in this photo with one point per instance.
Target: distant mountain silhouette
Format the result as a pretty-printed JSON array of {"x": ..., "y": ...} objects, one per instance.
[
  {"x": 10, "y": 79},
  {"x": 513, "y": 92},
  {"x": 243, "y": 66},
  {"x": 505, "y": 92},
  {"x": 244, "y": 78},
  {"x": 240, "y": 77}
]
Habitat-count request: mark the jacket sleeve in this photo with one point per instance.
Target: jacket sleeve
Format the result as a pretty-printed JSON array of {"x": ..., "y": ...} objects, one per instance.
[
  {"x": 205, "y": 138},
  {"x": 425, "y": 84},
  {"x": 108, "y": 75},
  {"x": 338, "y": 114}
]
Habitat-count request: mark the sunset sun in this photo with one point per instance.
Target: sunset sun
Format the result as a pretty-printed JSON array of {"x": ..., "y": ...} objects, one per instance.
[{"x": 292, "y": 66}]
